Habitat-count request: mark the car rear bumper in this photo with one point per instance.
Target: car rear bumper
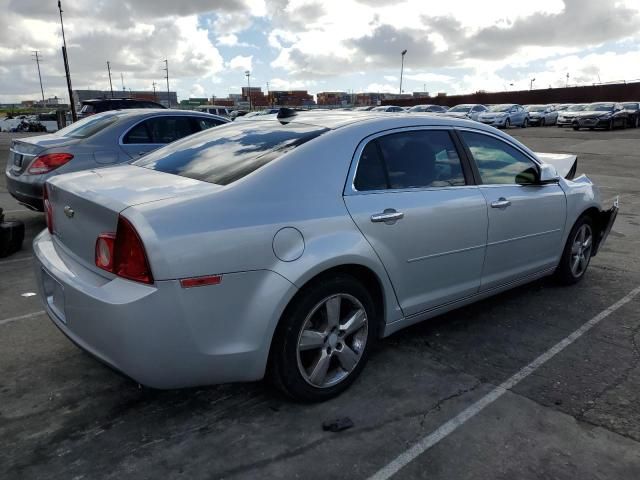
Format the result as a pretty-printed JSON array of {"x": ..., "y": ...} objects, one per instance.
[
  {"x": 28, "y": 193},
  {"x": 163, "y": 335}
]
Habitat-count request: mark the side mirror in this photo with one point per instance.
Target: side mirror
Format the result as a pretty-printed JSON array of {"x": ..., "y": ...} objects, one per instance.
[{"x": 548, "y": 174}]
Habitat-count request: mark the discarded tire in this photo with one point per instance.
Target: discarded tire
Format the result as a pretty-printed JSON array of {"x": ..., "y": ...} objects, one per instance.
[{"x": 11, "y": 237}]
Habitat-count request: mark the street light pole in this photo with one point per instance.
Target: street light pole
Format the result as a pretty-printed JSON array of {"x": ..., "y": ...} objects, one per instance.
[
  {"x": 110, "y": 84},
  {"x": 531, "y": 83},
  {"x": 37, "y": 58},
  {"x": 248, "y": 74},
  {"x": 74, "y": 115},
  {"x": 403, "y": 53}
]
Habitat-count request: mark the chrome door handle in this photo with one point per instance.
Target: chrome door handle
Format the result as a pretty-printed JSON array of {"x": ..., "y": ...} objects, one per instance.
[
  {"x": 388, "y": 216},
  {"x": 500, "y": 203}
]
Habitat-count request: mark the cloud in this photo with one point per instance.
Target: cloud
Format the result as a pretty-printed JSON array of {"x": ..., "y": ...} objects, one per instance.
[{"x": 240, "y": 63}]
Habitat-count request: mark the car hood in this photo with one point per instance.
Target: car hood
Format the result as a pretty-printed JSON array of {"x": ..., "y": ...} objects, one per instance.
[
  {"x": 536, "y": 114},
  {"x": 564, "y": 163},
  {"x": 457, "y": 114}
]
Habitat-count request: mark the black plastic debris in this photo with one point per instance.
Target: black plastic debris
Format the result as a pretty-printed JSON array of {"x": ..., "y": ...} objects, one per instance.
[
  {"x": 11, "y": 236},
  {"x": 337, "y": 425}
]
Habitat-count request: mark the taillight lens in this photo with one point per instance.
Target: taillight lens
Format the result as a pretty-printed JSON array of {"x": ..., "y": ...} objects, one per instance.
[
  {"x": 46, "y": 163},
  {"x": 48, "y": 209},
  {"x": 123, "y": 253}
]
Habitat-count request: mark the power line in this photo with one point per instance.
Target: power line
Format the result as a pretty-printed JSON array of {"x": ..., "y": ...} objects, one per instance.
[{"x": 37, "y": 59}]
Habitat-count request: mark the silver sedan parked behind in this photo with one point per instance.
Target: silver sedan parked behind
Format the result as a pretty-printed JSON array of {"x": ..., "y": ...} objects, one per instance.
[
  {"x": 542, "y": 115},
  {"x": 287, "y": 246},
  {"x": 505, "y": 116},
  {"x": 466, "y": 110},
  {"x": 100, "y": 140}
]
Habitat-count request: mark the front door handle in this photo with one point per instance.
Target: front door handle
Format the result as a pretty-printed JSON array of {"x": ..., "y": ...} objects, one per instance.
[
  {"x": 389, "y": 216},
  {"x": 500, "y": 203}
]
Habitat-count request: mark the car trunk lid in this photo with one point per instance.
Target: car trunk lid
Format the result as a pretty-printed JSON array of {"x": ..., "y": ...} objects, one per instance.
[
  {"x": 23, "y": 151},
  {"x": 86, "y": 204}
]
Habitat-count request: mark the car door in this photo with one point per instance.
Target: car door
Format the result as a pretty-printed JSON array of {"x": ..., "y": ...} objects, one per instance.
[
  {"x": 154, "y": 133},
  {"x": 413, "y": 198},
  {"x": 526, "y": 219}
]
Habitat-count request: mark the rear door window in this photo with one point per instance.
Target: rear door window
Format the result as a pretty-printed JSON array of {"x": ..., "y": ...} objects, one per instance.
[
  {"x": 205, "y": 123},
  {"x": 416, "y": 159},
  {"x": 169, "y": 129},
  {"x": 138, "y": 134}
]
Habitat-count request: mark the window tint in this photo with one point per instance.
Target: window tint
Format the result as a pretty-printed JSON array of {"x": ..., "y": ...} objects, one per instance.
[
  {"x": 169, "y": 129},
  {"x": 226, "y": 154},
  {"x": 138, "y": 134},
  {"x": 424, "y": 158},
  {"x": 87, "y": 126},
  {"x": 371, "y": 173},
  {"x": 498, "y": 162}
]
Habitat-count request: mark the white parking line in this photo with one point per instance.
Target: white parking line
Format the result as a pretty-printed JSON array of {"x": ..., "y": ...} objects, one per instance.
[
  {"x": 452, "y": 425},
  {"x": 21, "y": 317}
]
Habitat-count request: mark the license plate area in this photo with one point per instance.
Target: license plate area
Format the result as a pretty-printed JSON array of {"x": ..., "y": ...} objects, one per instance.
[{"x": 54, "y": 295}]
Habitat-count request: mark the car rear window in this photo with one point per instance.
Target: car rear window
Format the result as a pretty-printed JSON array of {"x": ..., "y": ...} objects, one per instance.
[
  {"x": 88, "y": 126},
  {"x": 230, "y": 152}
]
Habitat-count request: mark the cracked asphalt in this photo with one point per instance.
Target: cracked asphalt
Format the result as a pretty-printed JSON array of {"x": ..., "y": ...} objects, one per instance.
[{"x": 64, "y": 415}]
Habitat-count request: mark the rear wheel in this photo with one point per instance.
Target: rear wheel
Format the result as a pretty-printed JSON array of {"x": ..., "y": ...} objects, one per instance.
[
  {"x": 577, "y": 252},
  {"x": 610, "y": 126},
  {"x": 635, "y": 122},
  {"x": 543, "y": 123},
  {"x": 323, "y": 340},
  {"x": 507, "y": 123}
]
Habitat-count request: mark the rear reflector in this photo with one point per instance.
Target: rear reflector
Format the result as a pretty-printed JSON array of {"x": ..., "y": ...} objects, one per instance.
[
  {"x": 48, "y": 209},
  {"x": 46, "y": 163},
  {"x": 104, "y": 251},
  {"x": 201, "y": 281}
]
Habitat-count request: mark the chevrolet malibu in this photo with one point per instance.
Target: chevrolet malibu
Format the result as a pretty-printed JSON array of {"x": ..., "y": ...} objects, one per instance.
[{"x": 287, "y": 246}]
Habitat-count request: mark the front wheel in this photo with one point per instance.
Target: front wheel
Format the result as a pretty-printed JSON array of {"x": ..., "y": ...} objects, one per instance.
[
  {"x": 323, "y": 340},
  {"x": 507, "y": 123},
  {"x": 543, "y": 123},
  {"x": 577, "y": 252}
]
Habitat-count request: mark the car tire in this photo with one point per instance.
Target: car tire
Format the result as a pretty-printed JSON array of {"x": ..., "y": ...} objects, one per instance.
[
  {"x": 577, "y": 252},
  {"x": 296, "y": 366},
  {"x": 576, "y": 128},
  {"x": 543, "y": 123},
  {"x": 507, "y": 123},
  {"x": 525, "y": 123},
  {"x": 610, "y": 125},
  {"x": 636, "y": 122}
]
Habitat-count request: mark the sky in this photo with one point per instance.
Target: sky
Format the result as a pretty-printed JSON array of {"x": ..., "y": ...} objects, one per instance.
[{"x": 456, "y": 46}]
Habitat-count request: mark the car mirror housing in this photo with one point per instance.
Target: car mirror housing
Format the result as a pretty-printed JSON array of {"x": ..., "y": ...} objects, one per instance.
[{"x": 548, "y": 174}]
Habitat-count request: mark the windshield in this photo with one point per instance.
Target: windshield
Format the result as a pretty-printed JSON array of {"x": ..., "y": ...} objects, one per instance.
[
  {"x": 499, "y": 108},
  {"x": 87, "y": 126},
  {"x": 230, "y": 152},
  {"x": 575, "y": 108},
  {"x": 630, "y": 106},
  {"x": 536, "y": 108},
  {"x": 419, "y": 108},
  {"x": 599, "y": 107},
  {"x": 460, "y": 108}
]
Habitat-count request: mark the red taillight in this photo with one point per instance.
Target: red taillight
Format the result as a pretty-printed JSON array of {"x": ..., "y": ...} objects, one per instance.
[
  {"x": 46, "y": 163},
  {"x": 47, "y": 208},
  {"x": 123, "y": 253}
]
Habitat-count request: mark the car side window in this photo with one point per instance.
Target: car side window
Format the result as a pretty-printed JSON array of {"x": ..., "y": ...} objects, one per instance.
[
  {"x": 499, "y": 162},
  {"x": 138, "y": 134},
  {"x": 169, "y": 129},
  {"x": 417, "y": 159},
  {"x": 205, "y": 123}
]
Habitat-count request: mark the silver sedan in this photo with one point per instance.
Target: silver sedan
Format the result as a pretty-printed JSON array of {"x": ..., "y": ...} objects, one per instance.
[
  {"x": 100, "y": 140},
  {"x": 287, "y": 246}
]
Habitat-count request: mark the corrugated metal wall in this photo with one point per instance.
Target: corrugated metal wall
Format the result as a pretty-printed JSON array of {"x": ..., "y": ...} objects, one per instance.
[{"x": 584, "y": 94}]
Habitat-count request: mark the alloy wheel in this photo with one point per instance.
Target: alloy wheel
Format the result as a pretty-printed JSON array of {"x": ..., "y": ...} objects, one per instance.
[
  {"x": 581, "y": 250},
  {"x": 332, "y": 340}
]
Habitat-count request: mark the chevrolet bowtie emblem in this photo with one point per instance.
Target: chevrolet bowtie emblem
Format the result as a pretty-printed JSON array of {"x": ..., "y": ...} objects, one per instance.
[{"x": 68, "y": 211}]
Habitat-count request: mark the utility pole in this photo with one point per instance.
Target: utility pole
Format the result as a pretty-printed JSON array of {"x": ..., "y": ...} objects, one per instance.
[
  {"x": 74, "y": 115},
  {"x": 248, "y": 74},
  {"x": 122, "y": 80},
  {"x": 567, "y": 84},
  {"x": 37, "y": 59},
  {"x": 403, "y": 53},
  {"x": 154, "y": 90},
  {"x": 531, "y": 83},
  {"x": 166, "y": 69},
  {"x": 110, "y": 84}
]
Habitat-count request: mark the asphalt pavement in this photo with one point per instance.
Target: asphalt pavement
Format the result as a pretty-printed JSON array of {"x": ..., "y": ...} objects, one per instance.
[{"x": 539, "y": 382}]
